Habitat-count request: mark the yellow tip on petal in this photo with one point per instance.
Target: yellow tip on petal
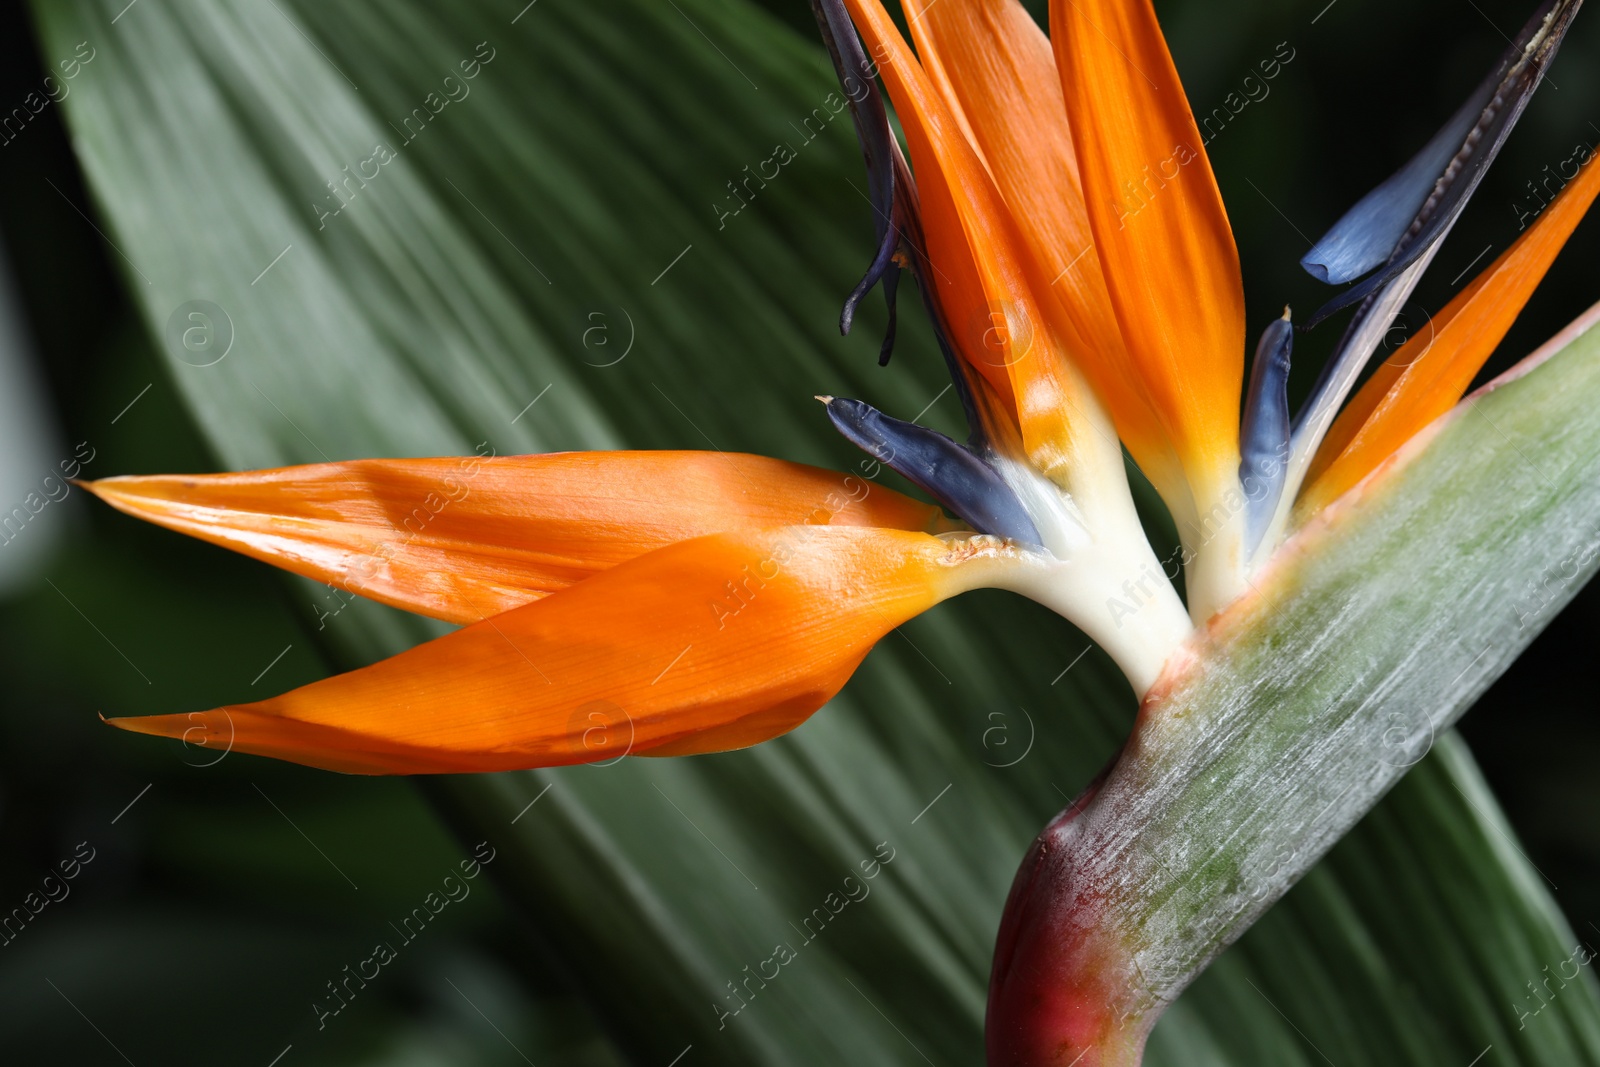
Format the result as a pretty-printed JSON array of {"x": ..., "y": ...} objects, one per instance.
[{"x": 1159, "y": 226}]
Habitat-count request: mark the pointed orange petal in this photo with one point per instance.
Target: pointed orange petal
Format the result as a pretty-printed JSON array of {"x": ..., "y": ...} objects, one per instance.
[
  {"x": 1432, "y": 370},
  {"x": 1159, "y": 226},
  {"x": 709, "y": 644},
  {"x": 995, "y": 70},
  {"x": 465, "y": 538},
  {"x": 988, "y": 285}
]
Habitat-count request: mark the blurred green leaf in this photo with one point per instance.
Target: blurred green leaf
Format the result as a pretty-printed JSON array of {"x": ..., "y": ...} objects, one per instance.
[{"x": 580, "y": 180}]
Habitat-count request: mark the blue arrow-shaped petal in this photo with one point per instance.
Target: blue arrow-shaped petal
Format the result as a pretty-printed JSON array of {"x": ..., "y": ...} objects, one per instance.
[
  {"x": 1436, "y": 185},
  {"x": 951, "y": 473},
  {"x": 1264, "y": 431}
]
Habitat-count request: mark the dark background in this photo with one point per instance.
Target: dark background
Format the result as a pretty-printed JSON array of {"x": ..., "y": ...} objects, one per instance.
[{"x": 222, "y": 872}]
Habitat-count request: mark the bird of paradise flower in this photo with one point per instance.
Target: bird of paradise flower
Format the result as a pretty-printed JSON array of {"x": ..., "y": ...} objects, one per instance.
[
  {"x": 1061, "y": 221},
  {"x": 1066, "y": 233}
]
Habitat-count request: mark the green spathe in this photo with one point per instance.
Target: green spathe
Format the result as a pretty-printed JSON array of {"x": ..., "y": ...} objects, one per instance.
[{"x": 1295, "y": 710}]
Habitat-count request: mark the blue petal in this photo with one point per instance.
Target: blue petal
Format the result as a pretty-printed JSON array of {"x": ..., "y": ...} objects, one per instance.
[
  {"x": 1503, "y": 96},
  {"x": 892, "y": 193},
  {"x": 858, "y": 79},
  {"x": 891, "y": 289},
  {"x": 951, "y": 473},
  {"x": 1368, "y": 234},
  {"x": 1264, "y": 431}
]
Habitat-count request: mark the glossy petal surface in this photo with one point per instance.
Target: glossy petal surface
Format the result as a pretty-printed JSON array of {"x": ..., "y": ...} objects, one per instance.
[
  {"x": 1159, "y": 225},
  {"x": 461, "y": 539},
  {"x": 994, "y": 68},
  {"x": 706, "y": 645},
  {"x": 987, "y": 282}
]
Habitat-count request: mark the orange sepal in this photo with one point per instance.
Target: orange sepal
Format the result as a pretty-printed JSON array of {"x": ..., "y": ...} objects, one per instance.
[
  {"x": 465, "y": 538},
  {"x": 710, "y": 644},
  {"x": 995, "y": 70},
  {"x": 1001, "y": 318},
  {"x": 1159, "y": 224},
  {"x": 1433, "y": 369}
]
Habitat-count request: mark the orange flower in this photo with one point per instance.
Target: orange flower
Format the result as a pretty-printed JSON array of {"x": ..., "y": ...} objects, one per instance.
[
  {"x": 1069, "y": 240},
  {"x": 645, "y": 603},
  {"x": 1076, "y": 238}
]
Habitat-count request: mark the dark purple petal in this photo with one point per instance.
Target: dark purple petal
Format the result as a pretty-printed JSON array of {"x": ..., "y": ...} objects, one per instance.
[
  {"x": 1264, "y": 430},
  {"x": 953, "y": 474},
  {"x": 1446, "y": 176}
]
